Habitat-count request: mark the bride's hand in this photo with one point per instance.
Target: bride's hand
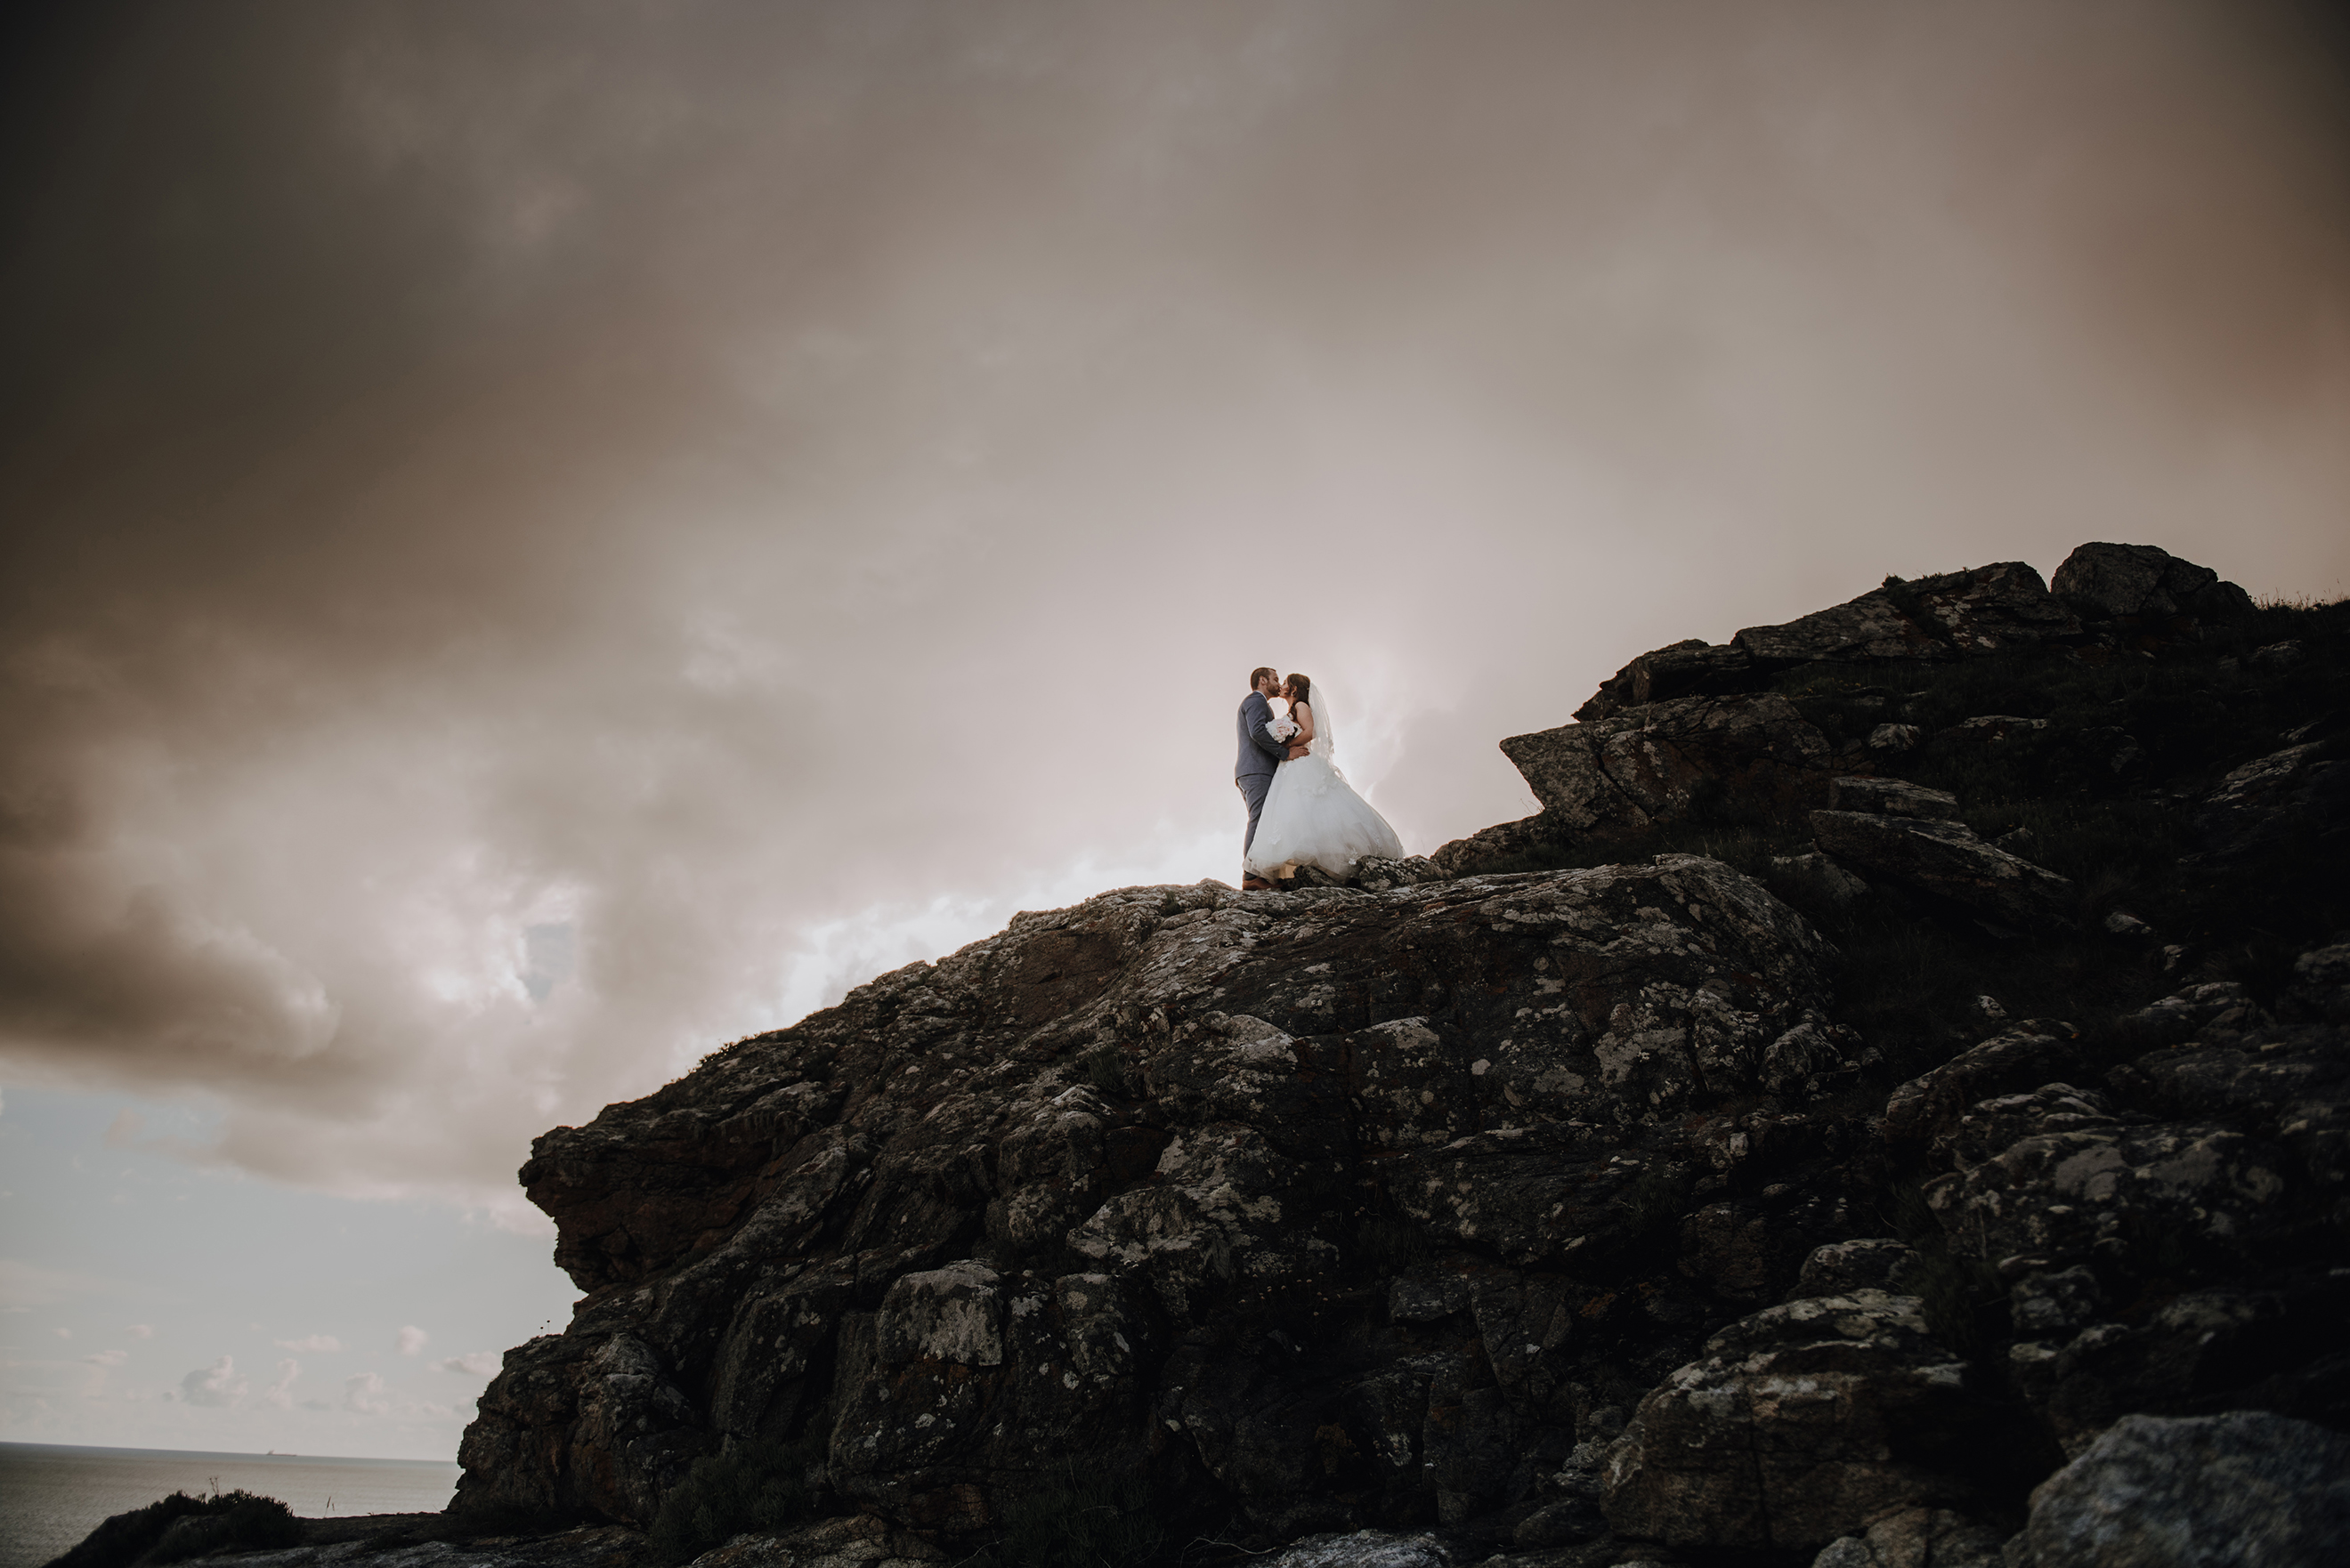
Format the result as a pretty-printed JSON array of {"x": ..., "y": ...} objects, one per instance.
[{"x": 1297, "y": 752}]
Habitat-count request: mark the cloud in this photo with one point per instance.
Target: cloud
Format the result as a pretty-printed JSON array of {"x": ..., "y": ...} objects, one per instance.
[
  {"x": 321, "y": 1344},
  {"x": 217, "y": 1385},
  {"x": 412, "y": 1340},
  {"x": 276, "y": 1395},
  {"x": 365, "y": 1393},
  {"x": 62, "y": 1332},
  {"x": 107, "y": 1357},
  {"x": 29, "y": 1284},
  {"x": 624, "y": 540},
  {"x": 140, "y": 1331},
  {"x": 480, "y": 1363}
]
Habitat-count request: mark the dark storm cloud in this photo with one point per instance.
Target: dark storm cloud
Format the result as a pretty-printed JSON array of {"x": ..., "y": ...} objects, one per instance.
[{"x": 726, "y": 494}]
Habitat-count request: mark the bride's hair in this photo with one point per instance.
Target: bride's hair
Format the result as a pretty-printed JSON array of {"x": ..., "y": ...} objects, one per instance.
[{"x": 1298, "y": 689}]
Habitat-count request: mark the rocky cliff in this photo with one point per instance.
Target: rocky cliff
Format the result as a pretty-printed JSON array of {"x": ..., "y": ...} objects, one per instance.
[{"x": 1902, "y": 1064}]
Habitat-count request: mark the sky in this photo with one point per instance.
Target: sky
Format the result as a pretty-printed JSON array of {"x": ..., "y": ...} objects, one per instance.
[{"x": 539, "y": 539}]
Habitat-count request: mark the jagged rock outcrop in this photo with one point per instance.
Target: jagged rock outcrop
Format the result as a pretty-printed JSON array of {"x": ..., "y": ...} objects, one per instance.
[
  {"x": 1693, "y": 731},
  {"x": 1989, "y": 609},
  {"x": 1801, "y": 1420},
  {"x": 2302, "y": 792},
  {"x": 993, "y": 1215},
  {"x": 1899, "y": 832},
  {"x": 1918, "y": 1538},
  {"x": 1616, "y": 777},
  {"x": 2242, "y": 1487},
  {"x": 1569, "y": 1214},
  {"x": 2139, "y": 585}
]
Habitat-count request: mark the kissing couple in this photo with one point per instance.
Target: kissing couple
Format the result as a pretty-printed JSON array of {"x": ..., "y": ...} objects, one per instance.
[{"x": 1301, "y": 811}]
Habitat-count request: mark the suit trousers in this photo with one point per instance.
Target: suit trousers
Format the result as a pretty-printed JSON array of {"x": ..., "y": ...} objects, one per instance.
[{"x": 1254, "y": 788}]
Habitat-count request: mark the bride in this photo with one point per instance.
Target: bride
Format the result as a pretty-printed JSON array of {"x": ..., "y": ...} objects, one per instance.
[{"x": 1311, "y": 816}]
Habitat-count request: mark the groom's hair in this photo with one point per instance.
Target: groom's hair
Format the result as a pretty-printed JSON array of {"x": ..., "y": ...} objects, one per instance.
[{"x": 1260, "y": 672}]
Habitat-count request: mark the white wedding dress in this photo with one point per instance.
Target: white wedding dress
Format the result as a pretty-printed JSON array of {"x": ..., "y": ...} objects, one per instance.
[{"x": 1312, "y": 818}]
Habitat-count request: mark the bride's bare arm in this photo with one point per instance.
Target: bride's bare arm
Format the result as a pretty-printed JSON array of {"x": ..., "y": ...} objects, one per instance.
[{"x": 1303, "y": 713}]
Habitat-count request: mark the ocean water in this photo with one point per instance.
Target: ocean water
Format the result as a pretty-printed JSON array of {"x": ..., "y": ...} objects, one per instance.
[{"x": 52, "y": 1495}]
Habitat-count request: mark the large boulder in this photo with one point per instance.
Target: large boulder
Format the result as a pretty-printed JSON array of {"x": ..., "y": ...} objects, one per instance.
[
  {"x": 1687, "y": 668},
  {"x": 1906, "y": 835},
  {"x": 2243, "y": 1489},
  {"x": 1802, "y": 1423},
  {"x": 2061, "y": 1175},
  {"x": 2001, "y": 608},
  {"x": 1873, "y": 628},
  {"x": 2301, "y": 792},
  {"x": 2017, "y": 1058},
  {"x": 1918, "y": 1538},
  {"x": 1666, "y": 760},
  {"x": 1368, "y": 1549},
  {"x": 1996, "y": 608},
  {"x": 2142, "y": 583}
]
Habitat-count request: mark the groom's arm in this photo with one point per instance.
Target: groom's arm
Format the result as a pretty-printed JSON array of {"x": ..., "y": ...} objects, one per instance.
[{"x": 1259, "y": 737}]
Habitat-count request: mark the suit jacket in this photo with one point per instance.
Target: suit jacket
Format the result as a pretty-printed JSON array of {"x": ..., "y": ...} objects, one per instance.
[{"x": 1259, "y": 752}]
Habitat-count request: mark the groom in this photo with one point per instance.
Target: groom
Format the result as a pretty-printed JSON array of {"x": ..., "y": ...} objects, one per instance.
[{"x": 1260, "y": 755}]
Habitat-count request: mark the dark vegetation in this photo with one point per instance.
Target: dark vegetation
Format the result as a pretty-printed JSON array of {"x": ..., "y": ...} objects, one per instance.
[
  {"x": 177, "y": 1527},
  {"x": 750, "y": 1487},
  {"x": 1084, "y": 1521},
  {"x": 1079, "y": 1521}
]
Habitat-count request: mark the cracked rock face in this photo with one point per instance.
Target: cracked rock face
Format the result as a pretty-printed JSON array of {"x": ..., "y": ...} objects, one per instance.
[
  {"x": 2303, "y": 790},
  {"x": 2151, "y": 1492},
  {"x": 1918, "y": 1538},
  {"x": 1800, "y": 1421},
  {"x": 1656, "y": 763},
  {"x": 1948, "y": 860},
  {"x": 2142, "y": 582},
  {"x": 1626, "y": 774},
  {"x": 1997, "y": 609},
  {"x": 995, "y": 1215}
]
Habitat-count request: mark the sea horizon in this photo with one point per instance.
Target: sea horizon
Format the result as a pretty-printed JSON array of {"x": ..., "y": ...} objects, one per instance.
[{"x": 53, "y": 1494}]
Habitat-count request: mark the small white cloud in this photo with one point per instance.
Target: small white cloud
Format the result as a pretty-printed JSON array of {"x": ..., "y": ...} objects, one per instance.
[
  {"x": 318, "y": 1343},
  {"x": 365, "y": 1393},
  {"x": 123, "y": 1133},
  {"x": 275, "y": 1395},
  {"x": 107, "y": 1358},
  {"x": 480, "y": 1363},
  {"x": 140, "y": 1331},
  {"x": 62, "y": 1332},
  {"x": 412, "y": 1340},
  {"x": 215, "y": 1385}
]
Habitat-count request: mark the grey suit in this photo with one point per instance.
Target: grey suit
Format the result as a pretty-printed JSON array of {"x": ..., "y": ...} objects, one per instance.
[{"x": 1260, "y": 755}]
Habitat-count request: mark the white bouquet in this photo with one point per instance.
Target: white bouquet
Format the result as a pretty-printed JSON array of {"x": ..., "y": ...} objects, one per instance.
[{"x": 1283, "y": 728}]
